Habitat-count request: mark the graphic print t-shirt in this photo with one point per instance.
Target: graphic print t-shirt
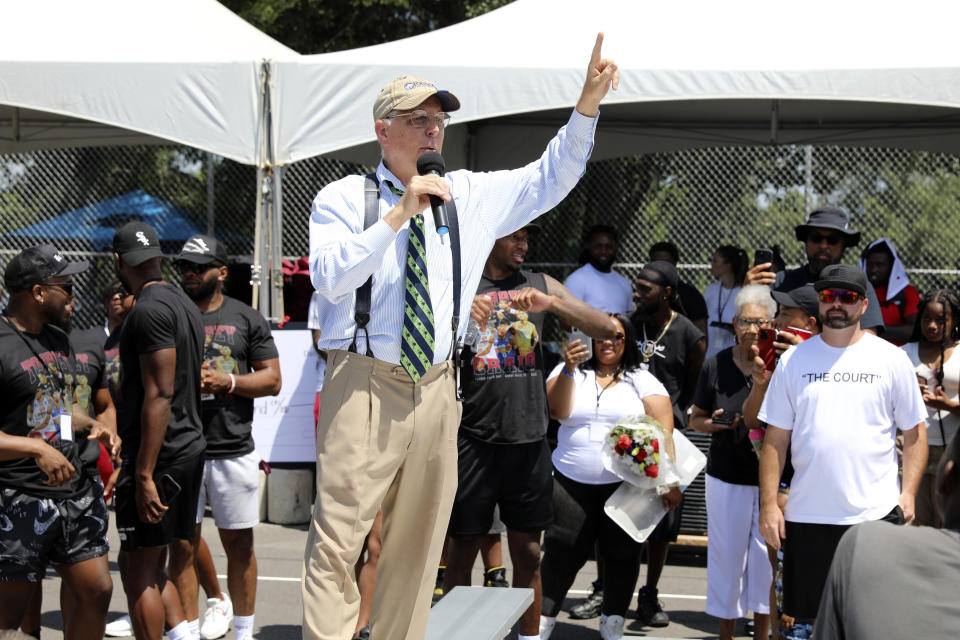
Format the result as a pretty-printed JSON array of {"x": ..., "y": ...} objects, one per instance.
[
  {"x": 234, "y": 336},
  {"x": 37, "y": 377},
  {"x": 111, "y": 355},
  {"x": 163, "y": 318},
  {"x": 843, "y": 408},
  {"x": 89, "y": 376},
  {"x": 504, "y": 397}
]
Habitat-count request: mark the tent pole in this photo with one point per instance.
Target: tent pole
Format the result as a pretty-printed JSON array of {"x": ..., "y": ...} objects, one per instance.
[
  {"x": 276, "y": 273},
  {"x": 808, "y": 179},
  {"x": 210, "y": 170},
  {"x": 255, "y": 268}
]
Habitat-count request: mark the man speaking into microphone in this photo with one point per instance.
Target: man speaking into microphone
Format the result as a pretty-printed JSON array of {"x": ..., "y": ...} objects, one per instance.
[{"x": 387, "y": 431}]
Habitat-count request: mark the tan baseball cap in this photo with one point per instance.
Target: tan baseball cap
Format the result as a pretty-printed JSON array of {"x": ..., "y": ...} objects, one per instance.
[{"x": 407, "y": 92}]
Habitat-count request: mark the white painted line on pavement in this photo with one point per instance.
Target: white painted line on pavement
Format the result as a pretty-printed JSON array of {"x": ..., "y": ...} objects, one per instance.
[{"x": 672, "y": 596}]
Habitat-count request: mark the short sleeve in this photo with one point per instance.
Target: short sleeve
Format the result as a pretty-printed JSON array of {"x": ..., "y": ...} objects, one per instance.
[
  {"x": 909, "y": 409},
  {"x": 154, "y": 326},
  {"x": 778, "y": 409},
  {"x": 911, "y": 301},
  {"x": 261, "y": 346},
  {"x": 574, "y": 283},
  {"x": 646, "y": 384},
  {"x": 704, "y": 396}
]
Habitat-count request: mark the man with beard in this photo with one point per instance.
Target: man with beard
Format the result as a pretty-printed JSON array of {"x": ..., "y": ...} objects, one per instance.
[
  {"x": 825, "y": 235},
  {"x": 596, "y": 282},
  {"x": 837, "y": 400},
  {"x": 503, "y": 457},
  {"x": 673, "y": 350},
  {"x": 51, "y": 506},
  {"x": 159, "y": 419},
  {"x": 230, "y": 485}
]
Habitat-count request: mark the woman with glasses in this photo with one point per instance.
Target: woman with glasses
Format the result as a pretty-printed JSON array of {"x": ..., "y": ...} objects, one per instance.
[
  {"x": 728, "y": 266},
  {"x": 738, "y": 569},
  {"x": 931, "y": 350},
  {"x": 588, "y": 395}
]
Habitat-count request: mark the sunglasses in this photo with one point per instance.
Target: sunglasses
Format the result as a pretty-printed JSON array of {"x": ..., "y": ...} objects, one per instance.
[
  {"x": 830, "y": 296},
  {"x": 617, "y": 339},
  {"x": 817, "y": 238},
  {"x": 65, "y": 287},
  {"x": 192, "y": 267}
]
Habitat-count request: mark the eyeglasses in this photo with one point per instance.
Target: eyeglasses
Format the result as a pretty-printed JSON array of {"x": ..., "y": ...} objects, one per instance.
[
  {"x": 617, "y": 339},
  {"x": 829, "y": 296},
  {"x": 817, "y": 238},
  {"x": 192, "y": 267},
  {"x": 746, "y": 323},
  {"x": 421, "y": 119},
  {"x": 65, "y": 287}
]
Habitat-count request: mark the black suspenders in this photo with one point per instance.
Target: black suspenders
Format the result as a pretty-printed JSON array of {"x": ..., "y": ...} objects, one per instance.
[{"x": 361, "y": 314}]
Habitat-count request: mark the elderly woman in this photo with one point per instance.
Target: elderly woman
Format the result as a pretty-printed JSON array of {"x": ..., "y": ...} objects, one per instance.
[
  {"x": 587, "y": 396},
  {"x": 738, "y": 570}
]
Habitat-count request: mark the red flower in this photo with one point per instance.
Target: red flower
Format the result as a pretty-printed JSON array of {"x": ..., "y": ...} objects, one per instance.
[
  {"x": 652, "y": 470},
  {"x": 656, "y": 446},
  {"x": 624, "y": 443},
  {"x": 642, "y": 455}
]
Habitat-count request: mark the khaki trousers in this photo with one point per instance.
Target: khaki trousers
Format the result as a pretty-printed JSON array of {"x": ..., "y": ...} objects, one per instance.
[{"x": 382, "y": 442}]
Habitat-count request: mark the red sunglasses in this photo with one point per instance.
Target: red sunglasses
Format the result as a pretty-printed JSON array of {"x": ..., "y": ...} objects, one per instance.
[{"x": 830, "y": 296}]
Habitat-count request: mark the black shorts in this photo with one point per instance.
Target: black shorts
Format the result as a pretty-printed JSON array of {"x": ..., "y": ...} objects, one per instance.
[
  {"x": 180, "y": 520},
  {"x": 669, "y": 527},
  {"x": 807, "y": 554},
  {"x": 36, "y": 531},
  {"x": 517, "y": 477}
]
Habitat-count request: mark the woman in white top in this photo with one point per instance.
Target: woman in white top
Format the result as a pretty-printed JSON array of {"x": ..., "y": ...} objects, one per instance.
[
  {"x": 587, "y": 397},
  {"x": 729, "y": 267},
  {"x": 932, "y": 350}
]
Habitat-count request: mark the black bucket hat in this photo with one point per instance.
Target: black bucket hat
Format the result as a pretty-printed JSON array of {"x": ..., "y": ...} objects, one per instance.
[{"x": 829, "y": 218}]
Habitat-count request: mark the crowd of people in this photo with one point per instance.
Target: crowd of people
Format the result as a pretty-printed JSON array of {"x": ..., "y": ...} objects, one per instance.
[
  {"x": 818, "y": 419},
  {"x": 152, "y": 409}
]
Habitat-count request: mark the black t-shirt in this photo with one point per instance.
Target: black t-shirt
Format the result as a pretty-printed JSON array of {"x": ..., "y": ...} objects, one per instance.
[
  {"x": 90, "y": 376},
  {"x": 163, "y": 318},
  {"x": 796, "y": 278},
  {"x": 111, "y": 354},
  {"x": 723, "y": 386},
  {"x": 694, "y": 306},
  {"x": 235, "y": 336},
  {"x": 504, "y": 394},
  {"x": 37, "y": 376},
  {"x": 668, "y": 363}
]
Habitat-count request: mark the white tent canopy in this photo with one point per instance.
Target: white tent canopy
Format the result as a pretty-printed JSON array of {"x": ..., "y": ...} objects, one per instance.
[
  {"x": 131, "y": 71},
  {"x": 693, "y": 73}
]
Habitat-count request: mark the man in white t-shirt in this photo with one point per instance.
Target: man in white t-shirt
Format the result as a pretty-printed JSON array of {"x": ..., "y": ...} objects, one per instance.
[
  {"x": 837, "y": 400},
  {"x": 596, "y": 282}
]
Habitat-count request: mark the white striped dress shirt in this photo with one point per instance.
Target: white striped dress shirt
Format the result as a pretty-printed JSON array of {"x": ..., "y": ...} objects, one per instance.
[{"x": 490, "y": 205}]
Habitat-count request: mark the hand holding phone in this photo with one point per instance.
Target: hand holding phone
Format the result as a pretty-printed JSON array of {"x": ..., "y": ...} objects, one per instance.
[
  {"x": 168, "y": 489},
  {"x": 724, "y": 419},
  {"x": 765, "y": 340},
  {"x": 585, "y": 340},
  {"x": 762, "y": 256}
]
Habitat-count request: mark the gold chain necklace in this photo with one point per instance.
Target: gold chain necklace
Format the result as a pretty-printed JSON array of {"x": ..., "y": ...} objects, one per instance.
[{"x": 649, "y": 347}]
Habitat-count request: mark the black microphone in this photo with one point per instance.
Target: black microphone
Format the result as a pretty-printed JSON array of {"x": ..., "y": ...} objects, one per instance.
[{"x": 427, "y": 164}]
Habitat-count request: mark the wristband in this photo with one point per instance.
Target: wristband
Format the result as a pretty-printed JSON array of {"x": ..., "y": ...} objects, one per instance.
[
  {"x": 566, "y": 373},
  {"x": 233, "y": 383}
]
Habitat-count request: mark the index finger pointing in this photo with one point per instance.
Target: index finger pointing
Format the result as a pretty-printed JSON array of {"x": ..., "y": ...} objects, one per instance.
[{"x": 595, "y": 55}]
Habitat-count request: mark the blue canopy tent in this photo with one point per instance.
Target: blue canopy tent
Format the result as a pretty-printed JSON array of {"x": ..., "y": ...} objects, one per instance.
[{"x": 94, "y": 225}]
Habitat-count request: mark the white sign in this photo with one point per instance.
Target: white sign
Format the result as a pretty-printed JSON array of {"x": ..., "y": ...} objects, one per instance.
[{"x": 283, "y": 426}]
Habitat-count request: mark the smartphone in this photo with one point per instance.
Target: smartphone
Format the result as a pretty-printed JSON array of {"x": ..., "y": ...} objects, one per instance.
[
  {"x": 803, "y": 333},
  {"x": 724, "y": 418},
  {"x": 922, "y": 381},
  {"x": 768, "y": 354},
  {"x": 576, "y": 334},
  {"x": 168, "y": 489},
  {"x": 762, "y": 256}
]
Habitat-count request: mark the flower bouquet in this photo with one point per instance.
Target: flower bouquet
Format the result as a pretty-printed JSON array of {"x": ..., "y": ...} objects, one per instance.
[{"x": 634, "y": 451}]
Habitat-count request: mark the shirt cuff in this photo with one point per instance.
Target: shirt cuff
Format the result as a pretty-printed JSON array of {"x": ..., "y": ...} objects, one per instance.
[
  {"x": 381, "y": 234},
  {"x": 580, "y": 125}
]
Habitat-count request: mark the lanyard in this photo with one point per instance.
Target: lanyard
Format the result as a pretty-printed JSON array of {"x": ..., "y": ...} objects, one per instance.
[{"x": 56, "y": 360}]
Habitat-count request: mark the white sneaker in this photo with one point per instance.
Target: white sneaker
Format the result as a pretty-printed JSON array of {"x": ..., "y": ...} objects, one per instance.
[
  {"x": 611, "y": 628},
  {"x": 217, "y": 618},
  {"x": 122, "y": 627},
  {"x": 546, "y": 627}
]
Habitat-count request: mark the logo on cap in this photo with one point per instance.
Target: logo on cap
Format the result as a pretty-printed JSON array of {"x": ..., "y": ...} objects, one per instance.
[
  {"x": 142, "y": 239},
  {"x": 196, "y": 245},
  {"x": 58, "y": 257},
  {"x": 414, "y": 85}
]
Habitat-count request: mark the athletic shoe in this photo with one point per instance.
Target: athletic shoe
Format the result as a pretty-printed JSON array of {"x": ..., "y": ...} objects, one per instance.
[
  {"x": 589, "y": 608},
  {"x": 649, "y": 610},
  {"x": 122, "y": 627},
  {"x": 438, "y": 586},
  {"x": 364, "y": 634},
  {"x": 611, "y": 628},
  {"x": 217, "y": 618},
  {"x": 496, "y": 577},
  {"x": 748, "y": 628},
  {"x": 546, "y": 627}
]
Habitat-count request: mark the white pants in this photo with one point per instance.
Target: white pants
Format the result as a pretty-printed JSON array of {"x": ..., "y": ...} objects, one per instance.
[{"x": 738, "y": 570}]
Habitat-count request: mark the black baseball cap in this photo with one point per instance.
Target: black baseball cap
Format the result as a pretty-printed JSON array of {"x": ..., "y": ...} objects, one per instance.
[
  {"x": 203, "y": 249},
  {"x": 660, "y": 273},
  {"x": 137, "y": 242},
  {"x": 804, "y": 297},
  {"x": 35, "y": 265},
  {"x": 842, "y": 276}
]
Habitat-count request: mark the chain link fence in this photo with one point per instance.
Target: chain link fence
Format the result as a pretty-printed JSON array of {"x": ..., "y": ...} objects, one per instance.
[{"x": 750, "y": 197}]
